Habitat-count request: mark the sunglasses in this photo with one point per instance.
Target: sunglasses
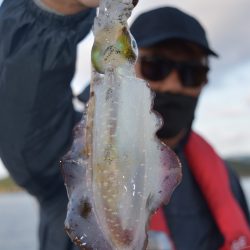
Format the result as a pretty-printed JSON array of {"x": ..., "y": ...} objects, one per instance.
[{"x": 156, "y": 68}]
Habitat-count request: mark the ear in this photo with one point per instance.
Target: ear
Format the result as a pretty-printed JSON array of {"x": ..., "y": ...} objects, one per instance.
[{"x": 205, "y": 81}]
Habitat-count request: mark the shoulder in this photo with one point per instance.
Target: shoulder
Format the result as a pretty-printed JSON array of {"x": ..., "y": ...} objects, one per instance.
[{"x": 205, "y": 156}]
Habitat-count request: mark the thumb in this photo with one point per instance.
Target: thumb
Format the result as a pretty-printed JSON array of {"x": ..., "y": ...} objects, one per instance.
[{"x": 90, "y": 3}]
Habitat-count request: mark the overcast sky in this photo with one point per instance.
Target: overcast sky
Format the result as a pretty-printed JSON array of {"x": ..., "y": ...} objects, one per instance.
[{"x": 223, "y": 115}]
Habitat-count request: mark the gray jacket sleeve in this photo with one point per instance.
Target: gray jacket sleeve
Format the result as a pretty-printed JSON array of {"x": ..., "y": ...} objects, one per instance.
[{"x": 37, "y": 64}]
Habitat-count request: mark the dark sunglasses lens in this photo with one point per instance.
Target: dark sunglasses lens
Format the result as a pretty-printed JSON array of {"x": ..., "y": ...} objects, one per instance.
[
  {"x": 154, "y": 69},
  {"x": 201, "y": 75},
  {"x": 193, "y": 76}
]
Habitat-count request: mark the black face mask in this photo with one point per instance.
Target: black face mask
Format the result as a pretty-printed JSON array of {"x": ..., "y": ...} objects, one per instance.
[{"x": 177, "y": 112}]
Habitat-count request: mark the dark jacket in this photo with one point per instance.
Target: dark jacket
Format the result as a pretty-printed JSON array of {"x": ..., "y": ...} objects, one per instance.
[{"x": 37, "y": 64}]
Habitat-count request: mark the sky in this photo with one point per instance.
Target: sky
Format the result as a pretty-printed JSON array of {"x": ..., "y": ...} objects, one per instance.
[{"x": 223, "y": 113}]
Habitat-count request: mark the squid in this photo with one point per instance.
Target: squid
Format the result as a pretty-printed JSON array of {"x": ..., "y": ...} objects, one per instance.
[{"x": 117, "y": 172}]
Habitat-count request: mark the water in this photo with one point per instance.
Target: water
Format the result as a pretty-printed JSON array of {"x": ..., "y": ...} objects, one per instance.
[
  {"x": 19, "y": 219},
  {"x": 245, "y": 182}
]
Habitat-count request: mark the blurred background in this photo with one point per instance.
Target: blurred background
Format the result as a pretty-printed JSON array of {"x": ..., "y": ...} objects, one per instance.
[{"x": 223, "y": 115}]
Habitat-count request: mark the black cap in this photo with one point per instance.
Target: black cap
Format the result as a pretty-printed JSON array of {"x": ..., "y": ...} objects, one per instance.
[{"x": 167, "y": 23}]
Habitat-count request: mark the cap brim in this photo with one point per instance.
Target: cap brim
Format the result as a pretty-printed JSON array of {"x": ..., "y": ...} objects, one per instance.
[{"x": 151, "y": 41}]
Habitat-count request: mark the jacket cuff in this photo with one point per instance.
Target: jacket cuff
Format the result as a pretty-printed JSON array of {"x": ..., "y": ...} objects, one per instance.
[
  {"x": 47, "y": 14},
  {"x": 44, "y": 7}
]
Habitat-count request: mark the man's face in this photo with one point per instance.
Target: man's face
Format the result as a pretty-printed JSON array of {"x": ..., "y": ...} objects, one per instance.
[
  {"x": 172, "y": 82},
  {"x": 177, "y": 74}
]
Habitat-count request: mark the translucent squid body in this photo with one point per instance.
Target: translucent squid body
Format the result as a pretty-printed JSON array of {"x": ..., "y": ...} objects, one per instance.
[{"x": 117, "y": 172}]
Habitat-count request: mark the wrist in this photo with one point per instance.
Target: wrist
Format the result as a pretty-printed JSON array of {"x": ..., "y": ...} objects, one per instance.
[{"x": 66, "y": 7}]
